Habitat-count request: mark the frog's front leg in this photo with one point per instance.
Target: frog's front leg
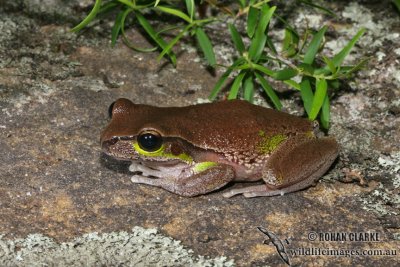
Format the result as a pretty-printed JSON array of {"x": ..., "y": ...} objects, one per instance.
[
  {"x": 146, "y": 171},
  {"x": 293, "y": 167},
  {"x": 198, "y": 183}
]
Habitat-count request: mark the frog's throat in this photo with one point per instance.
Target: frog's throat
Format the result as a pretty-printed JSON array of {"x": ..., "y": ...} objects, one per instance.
[{"x": 161, "y": 153}]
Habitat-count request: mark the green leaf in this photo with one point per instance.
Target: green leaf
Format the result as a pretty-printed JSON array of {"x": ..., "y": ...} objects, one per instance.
[
  {"x": 314, "y": 46},
  {"x": 126, "y": 39},
  {"x": 287, "y": 40},
  {"x": 293, "y": 84},
  {"x": 89, "y": 17},
  {"x": 308, "y": 2},
  {"x": 339, "y": 57},
  {"x": 321, "y": 87},
  {"x": 290, "y": 43},
  {"x": 107, "y": 7},
  {"x": 252, "y": 18},
  {"x": 269, "y": 91},
  {"x": 117, "y": 27},
  {"x": 218, "y": 86},
  {"x": 329, "y": 64},
  {"x": 266, "y": 15},
  {"x": 151, "y": 32},
  {"x": 348, "y": 70},
  {"x": 325, "y": 115},
  {"x": 168, "y": 48},
  {"x": 236, "y": 38},
  {"x": 306, "y": 95},
  {"x": 248, "y": 86},
  {"x": 257, "y": 46},
  {"x": 271, "y": 46},
  {"x": 258, "y": 43},
  {"x": 396, "y": 4},
  {"x": 324, "y": 71},
  {"x": 306, "y": 68},
  {"x": 264, "y": 70},
  {"x": 174, "y": 12},
  {"x": 190, "y": 8},
  {"x": 127, "y": 3},
  {"x": 236, "y": 85},
  {"x": 290, "y": 52},
  {"x": 206, "y": 46},
  {"x": 242, "y": 3},
  {"x": 284, "y": 74},
  {"x": 156, "y": 3}
]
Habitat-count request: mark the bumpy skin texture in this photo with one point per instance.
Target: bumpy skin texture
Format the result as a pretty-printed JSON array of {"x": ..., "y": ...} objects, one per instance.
[
  {"x": 221, "y": 126},
  {"x": 295, "y": 165},
  {"x": 245, "y": 141}
]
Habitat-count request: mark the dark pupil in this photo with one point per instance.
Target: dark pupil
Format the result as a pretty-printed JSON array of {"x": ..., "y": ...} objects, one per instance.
[{"x": 149, "y": 142}]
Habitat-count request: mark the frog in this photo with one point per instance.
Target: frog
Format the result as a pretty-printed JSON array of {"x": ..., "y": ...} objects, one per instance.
[{"x": 197, "y": 149}]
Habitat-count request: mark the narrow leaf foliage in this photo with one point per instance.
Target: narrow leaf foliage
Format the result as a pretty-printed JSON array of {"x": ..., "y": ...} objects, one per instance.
[
  {"x": 206, "y": 46},
  {"x": 319, "y": 97}
]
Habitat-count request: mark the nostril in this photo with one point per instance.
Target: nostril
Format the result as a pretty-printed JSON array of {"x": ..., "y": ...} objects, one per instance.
[{"x": 106, "y": 144}]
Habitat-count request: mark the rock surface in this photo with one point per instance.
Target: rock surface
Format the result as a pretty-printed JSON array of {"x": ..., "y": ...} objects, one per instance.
[{"x": 56, "y": 187}]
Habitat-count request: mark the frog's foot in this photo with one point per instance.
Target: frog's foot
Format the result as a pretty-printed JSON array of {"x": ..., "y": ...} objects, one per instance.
[
  {"x": 254, "y": 191},
  {"x": 197, "y": 184}
]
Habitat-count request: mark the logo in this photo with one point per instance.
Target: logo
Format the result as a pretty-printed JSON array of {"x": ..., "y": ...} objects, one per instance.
[{"x": 277, "y": 242}]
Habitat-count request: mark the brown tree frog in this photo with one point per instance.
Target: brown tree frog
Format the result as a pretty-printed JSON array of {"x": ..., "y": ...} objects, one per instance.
[{"x": 197, "y": 149}]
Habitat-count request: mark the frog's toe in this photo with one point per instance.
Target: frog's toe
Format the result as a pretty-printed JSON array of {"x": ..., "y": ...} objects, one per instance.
[
  {"x": 138, "y": 179},
  {"x": 134, "y": 167},
  {"x": 254, "y": 191},
  {"x": 233, "y": 192},
  {"x": 265, "y": 193},
  {"x": 230, "y": 194},
  {"x": 145, "y": 171},
  {"x": 244, "y": 190}
]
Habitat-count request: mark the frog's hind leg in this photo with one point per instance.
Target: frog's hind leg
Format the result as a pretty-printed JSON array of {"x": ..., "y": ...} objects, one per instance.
[
  {"x": 293, "y": 167},
  {"x": 193, "y": 185}
]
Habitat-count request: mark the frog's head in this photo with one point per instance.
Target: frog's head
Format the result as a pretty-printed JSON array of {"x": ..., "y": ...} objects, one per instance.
[{"x": 129, "y": 136}]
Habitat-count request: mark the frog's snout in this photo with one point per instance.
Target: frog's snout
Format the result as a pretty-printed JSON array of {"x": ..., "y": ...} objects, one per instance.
[{"x": 105, "y": 145}]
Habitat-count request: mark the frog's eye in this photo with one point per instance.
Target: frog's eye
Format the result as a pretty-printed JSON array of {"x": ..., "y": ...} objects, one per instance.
[
  {"x": 110, "y": 109},
  {"x": 150, "y": 141}
]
